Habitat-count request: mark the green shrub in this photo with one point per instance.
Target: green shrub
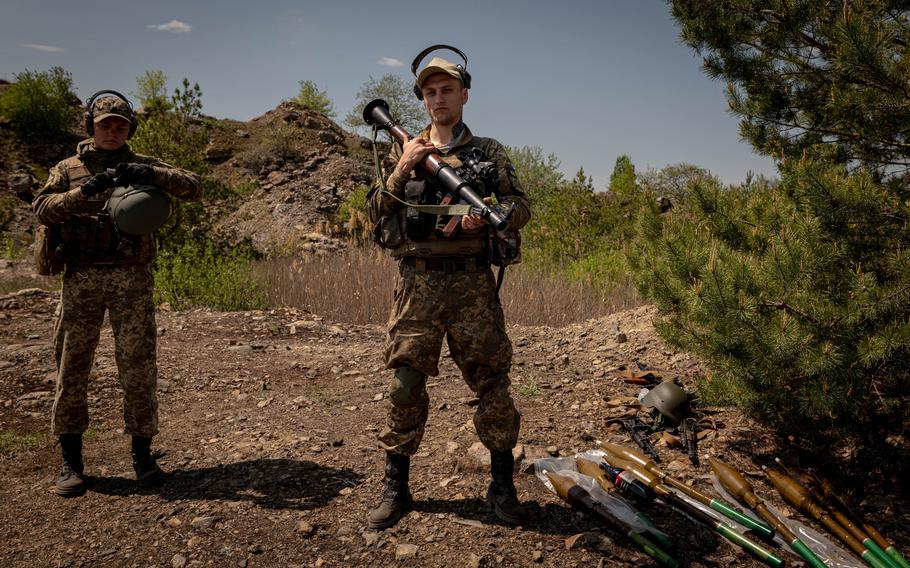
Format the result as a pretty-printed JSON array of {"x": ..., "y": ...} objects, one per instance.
[
  {"x": 314, "y": 98},
  {"x": 174, "y": 132},
  {"x": 354, "y": 204},
  {"x": 193, "y": 274},
  {"x": 798, "y": 298},
  {"x": 7, "y": 211},
  {"x": 40, "y": 103}
]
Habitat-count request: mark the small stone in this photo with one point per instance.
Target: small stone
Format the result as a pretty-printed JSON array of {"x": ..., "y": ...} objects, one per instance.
[
  {"x": 537, "y": 556},
  {"x": 479, "y": 456},
  {"x": 474, "y": 561},
  {"x": 305, "y": 528},
  {"x": 405, "y": 551},
  {"x": 451, "y": 447},
  {"x": 553, "y": 451},
  {"x": 173, "y": 522},
  {"x": 202, "y": 523},
  {"x": 621, "y": 337},
  {"x": 178, "y": 561},
  {"x": 371, "y": 538}
]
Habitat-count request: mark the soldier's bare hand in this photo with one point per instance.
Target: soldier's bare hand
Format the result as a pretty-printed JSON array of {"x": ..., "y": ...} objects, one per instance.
[
  {"x": 413, "y": 152},
  {"x": 474, "y": 222}
]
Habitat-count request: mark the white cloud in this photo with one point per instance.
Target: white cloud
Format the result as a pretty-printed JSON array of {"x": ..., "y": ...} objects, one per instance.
[
  {"x": 42, "y": 47},
  {"x": 390, "y": 62},
  {"x": 175, "y": 26}
]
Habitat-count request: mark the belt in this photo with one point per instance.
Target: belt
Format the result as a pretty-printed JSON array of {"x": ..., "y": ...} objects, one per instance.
[{"x": 447, "y": 265}]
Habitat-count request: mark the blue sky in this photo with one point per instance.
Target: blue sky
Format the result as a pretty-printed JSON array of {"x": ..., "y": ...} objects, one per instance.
[{"x": 587, "y": 80}]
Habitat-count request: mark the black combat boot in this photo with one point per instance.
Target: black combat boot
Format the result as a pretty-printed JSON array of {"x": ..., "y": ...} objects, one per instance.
[
  {"x": 396, "y": 499},
  {"x": 501, "y": 496},
  {"x": 70, "y": 482},
  {"x": 147, "y": 471}
]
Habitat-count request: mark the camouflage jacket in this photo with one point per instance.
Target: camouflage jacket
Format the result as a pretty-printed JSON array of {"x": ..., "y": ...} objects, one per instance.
[
  {"x": 88, "y": 237},
  {"x": 508, "y": 190}
]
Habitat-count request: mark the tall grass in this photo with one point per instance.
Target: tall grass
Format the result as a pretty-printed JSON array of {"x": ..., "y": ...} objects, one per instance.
[{"x": 356, "y": 287}]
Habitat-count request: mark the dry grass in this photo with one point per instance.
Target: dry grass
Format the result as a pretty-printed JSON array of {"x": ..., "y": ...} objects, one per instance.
[
  {"x": 18, "y": 275},
  {"x": 356, "y": 287}
]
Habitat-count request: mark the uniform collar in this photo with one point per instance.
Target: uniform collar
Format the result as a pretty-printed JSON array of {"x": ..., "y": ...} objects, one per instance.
[
  {"x": 462, "y": 136},
  {"x": 97, "y": 157}
]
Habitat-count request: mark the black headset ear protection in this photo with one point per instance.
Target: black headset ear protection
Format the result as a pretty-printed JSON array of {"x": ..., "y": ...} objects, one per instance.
[
  {"x": 462, "y": 69},
  {"x": 90, "y": 118}
]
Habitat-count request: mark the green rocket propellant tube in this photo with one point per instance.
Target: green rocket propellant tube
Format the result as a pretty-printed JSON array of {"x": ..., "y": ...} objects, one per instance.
[
  {"x": 811, "y": 491},
  {"x": 797, "y": 496},
  {"x": 736, "y": 484},
  {"x": 646, "y": 484},
  {"x": 577, "y": 496},
  {"x": 837, "y": 499},
  {"x": 722, "y": 507}
]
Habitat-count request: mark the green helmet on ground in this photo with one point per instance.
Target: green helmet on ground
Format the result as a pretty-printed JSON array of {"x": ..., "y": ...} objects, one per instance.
[
  {"x": 670, "y": 400},
  {"x": 138, "y": 209}
]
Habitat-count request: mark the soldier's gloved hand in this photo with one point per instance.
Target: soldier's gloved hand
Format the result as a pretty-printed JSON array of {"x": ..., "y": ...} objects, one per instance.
[
  {"x": 98, "y": 183},
  {"x": 129, "y": 173}
]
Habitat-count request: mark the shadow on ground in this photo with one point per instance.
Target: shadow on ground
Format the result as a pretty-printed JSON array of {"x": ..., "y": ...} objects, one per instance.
[{"x": 269, "y": 483}]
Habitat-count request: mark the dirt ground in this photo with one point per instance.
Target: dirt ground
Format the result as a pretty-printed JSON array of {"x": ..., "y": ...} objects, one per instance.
[{"x": 268, "y": 426}]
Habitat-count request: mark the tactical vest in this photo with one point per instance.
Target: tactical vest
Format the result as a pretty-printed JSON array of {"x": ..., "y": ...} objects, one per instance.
[
  {"x": 421, "y": 233},
  {"x": 89, "y": 237}
]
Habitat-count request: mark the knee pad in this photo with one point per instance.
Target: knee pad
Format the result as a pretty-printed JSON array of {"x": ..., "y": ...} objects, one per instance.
[{"x": 402, "y": 390}]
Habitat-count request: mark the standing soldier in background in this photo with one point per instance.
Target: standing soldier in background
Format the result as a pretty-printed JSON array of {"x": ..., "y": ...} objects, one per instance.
[
  {"x": 105, "y": 270},
  {"x": 445, "y": 288}
]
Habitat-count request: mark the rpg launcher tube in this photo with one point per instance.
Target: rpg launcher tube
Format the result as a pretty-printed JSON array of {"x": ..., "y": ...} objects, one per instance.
[
  {"x": 761, "y": 529},
  {"x": 377, "y": 114},
  {"x": 842, "y": 502},
  {"x": 797, "y": 496},
  {"x": 736, "y": 484},
  {"x": 647, "y": 482},
  {"x": 578, "y": 497}
]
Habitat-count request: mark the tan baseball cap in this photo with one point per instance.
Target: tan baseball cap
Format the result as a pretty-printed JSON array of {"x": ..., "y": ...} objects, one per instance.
[
  {"x": 438, "y": 65},
  {"x": 105, "y": 107}
]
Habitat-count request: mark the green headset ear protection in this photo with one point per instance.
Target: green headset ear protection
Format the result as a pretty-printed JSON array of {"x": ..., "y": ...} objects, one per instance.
[
  {"x": 462, "y": 69},
  {"x": 90, "y": 119}
]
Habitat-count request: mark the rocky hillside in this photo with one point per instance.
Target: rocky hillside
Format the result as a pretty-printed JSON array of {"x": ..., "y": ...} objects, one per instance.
[
  {"x": 302, "y": 166},
  {"x": 293, "y": 167}
]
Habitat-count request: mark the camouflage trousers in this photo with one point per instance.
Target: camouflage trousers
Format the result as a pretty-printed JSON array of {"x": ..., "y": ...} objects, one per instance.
[
  {"x": 125, "y": 292},
  {"x": 462, "y": 307}
]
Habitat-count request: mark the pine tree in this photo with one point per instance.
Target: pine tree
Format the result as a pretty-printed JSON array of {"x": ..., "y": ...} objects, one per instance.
[
  {"x": 797, "y": 293},
  {"x": 829, "y": 78}
]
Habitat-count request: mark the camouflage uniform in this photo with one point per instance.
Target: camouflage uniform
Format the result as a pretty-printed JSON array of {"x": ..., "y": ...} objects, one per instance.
[
  {"x": 440, "y": 294},
  {"x": 104, "y": 271}
]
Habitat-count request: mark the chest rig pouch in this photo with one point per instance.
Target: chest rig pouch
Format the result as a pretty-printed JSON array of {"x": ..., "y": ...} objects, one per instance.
[
  {"x": 418, "y": 225},
  {"x": 91, "y": 238}
]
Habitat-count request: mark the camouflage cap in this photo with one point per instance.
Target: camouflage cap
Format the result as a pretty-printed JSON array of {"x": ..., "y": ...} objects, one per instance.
[
  {"x": 439, "y": 65},
  {"x": 105, "y": 107}
]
